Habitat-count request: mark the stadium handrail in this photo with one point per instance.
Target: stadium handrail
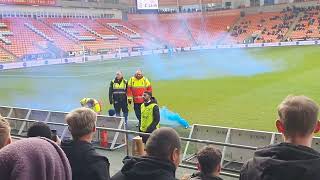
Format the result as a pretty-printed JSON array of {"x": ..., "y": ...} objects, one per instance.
[{"x": 141, "y": 133}]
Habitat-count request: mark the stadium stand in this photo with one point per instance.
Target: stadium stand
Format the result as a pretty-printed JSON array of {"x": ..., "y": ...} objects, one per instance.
[
  {"x": 86, "y": 33},
  {"x": 19, "y": 40},
  {"x": 308, "y": 25},
  {"x": 5, "y": 57},
  {"x": 41, "y": 37},
  {"x": 208, "y": 29},
  {"x": 263, "y": 27}
]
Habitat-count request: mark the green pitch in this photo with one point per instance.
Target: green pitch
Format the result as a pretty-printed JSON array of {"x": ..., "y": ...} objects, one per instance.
[{"x": 198, "y": 90}]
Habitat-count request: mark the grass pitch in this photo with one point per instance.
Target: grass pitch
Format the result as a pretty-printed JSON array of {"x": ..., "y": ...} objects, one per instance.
[{"x": 199, "y": 86}]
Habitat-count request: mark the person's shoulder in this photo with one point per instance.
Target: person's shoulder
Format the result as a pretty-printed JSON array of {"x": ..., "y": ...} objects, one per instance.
[
  {"x": 118, "y": 176},
  {"x": 94, "y": 157}
]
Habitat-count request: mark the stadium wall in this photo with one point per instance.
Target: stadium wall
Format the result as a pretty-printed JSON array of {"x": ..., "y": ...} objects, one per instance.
[{"x": 82, "y": 59}]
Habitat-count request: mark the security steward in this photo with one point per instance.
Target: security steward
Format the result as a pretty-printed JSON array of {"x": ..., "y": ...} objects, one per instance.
[
  {"x": 137, "y": 85},
  {"x": 150, "y": 115},
  {"x": 118, "y": 95},
  {"x": 92, "y": 104}
]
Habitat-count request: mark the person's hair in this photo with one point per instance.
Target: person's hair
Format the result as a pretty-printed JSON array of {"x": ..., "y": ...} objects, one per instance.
[
  {"x": 162, "y": 143},
  {"x": 209, "y": 158},
  {"x": 39, "y": 129},
  {"x": 299, "y": 115},
  {"x": 81, "y": 121},
  {"x": 4, "y": 131}
]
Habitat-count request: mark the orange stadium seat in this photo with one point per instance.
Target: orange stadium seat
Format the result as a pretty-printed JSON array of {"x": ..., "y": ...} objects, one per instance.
[
  {"x": 169, "y": 29},
  {"x": 5, "y": 57},
  {"x": 207, "y": 29},
  {"x": 23, "y": 41}
]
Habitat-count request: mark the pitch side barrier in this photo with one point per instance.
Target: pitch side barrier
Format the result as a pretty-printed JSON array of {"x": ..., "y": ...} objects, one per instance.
[
  {"x": 233, "y": 157},
  {"x": 127, "y": 132},
  {"x": 102, "y": 57},
  {"x": 21, "y": 119}
]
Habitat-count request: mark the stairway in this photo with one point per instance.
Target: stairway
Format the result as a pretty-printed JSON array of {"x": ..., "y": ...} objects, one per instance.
[
  {"x": 185, "y": 26},
  {"x": 292, "y": 26}
]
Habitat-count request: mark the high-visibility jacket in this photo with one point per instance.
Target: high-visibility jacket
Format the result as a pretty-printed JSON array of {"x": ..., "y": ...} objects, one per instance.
[
  {"x": 147, "y": 117},
  {"x": 95, "y": 106},
  {"x": 118, "y": 91},
  {"x": 136, "y": 88}
]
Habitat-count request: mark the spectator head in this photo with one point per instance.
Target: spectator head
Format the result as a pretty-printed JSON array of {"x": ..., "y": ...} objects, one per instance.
[
  {"x": 298, "y": 118},
  {"x": 5, "y": 130},
  {"x": 82, "y": 123},
  {"x": 39, "y": 129},
  {"x": 164, "y": 143},
  {"x": 138, "y": 74},
  {"x": 209, "y": 160},
  {"x": 34, "y": 158},
  {"x": 119, "y": 75}
]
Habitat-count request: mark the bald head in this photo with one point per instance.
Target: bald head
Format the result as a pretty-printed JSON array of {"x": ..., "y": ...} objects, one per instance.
[
  {"x": 138, "y": 74},
  {"x": 162, "y": 143}
]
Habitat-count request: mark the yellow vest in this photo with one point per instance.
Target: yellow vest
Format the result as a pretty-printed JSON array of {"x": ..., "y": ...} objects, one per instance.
[
  {"x": 120, "y": 88},
  {"x": 96, "y": 106},
  {"x": 147, "y": 117}
]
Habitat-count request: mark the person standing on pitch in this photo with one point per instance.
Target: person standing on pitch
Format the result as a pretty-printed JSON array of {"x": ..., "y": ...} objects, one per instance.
[
  {"x": 150, "y": 115},
  {"x": 137, "y": 85},
  {"x": 118, "y": 95}
]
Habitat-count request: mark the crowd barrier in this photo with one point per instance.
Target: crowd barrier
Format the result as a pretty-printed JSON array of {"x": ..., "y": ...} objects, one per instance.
[
  {"x": 237, "y": 145},
  {"x": 16, "y": 65},
  {"x": 21, "y": 119},
  {"x": 232, "y": 157}
]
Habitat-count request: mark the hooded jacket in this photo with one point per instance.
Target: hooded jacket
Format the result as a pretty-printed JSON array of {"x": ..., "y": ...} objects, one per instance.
[
  {"x": 283, "y": 162},
  {"x": 200, "y": 176},
  {"x": 146, "y": 168},
  {"x": 34, "y": 159},
  {"x": 85, "y": 162}
]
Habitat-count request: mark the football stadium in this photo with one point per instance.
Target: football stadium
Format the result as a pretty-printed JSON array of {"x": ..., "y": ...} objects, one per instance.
[{"x": 227, "y": 77}]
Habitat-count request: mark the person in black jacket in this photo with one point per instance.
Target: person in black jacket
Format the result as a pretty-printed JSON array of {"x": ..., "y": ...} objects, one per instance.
[
  {"x": 162, "y": 158},
  {"x": 85, "y": 162},
  {"x": 209, "y": 164},
  {"x": 150, "y": 115},
  {"x": 118, "y": 95},
  {"x": 294, "y": 159}
]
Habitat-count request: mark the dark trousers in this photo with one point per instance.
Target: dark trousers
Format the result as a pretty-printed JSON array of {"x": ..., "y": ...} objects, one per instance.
[
  {"x": 137, "y": 110},
  {"x": 122, "y": 105},
  {"x": 144, "y": 138}
]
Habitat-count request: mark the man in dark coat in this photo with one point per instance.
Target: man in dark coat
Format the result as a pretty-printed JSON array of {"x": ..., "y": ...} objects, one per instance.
[
  {"x": 85, "y": 162},
  {"x": 162, "y": 158},
  {"x": 294, "y": 159}
]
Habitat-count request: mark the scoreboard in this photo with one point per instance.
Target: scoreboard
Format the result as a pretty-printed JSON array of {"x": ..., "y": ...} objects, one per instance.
[{"x": 147, "y": 4}]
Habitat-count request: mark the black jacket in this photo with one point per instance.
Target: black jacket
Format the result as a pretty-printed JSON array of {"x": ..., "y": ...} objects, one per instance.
[
  {"x": 146, "y": 168},
  {"x": 86, "y": 163},
  {"x": 200, "y": 176},
  {"x": 283, "y": 162},
  {"x": 120, "y": 98},
  {"x": 156, "y": 115}
]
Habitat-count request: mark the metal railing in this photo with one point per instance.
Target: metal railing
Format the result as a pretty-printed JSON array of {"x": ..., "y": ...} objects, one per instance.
[{"x": 127, "y": 132}]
